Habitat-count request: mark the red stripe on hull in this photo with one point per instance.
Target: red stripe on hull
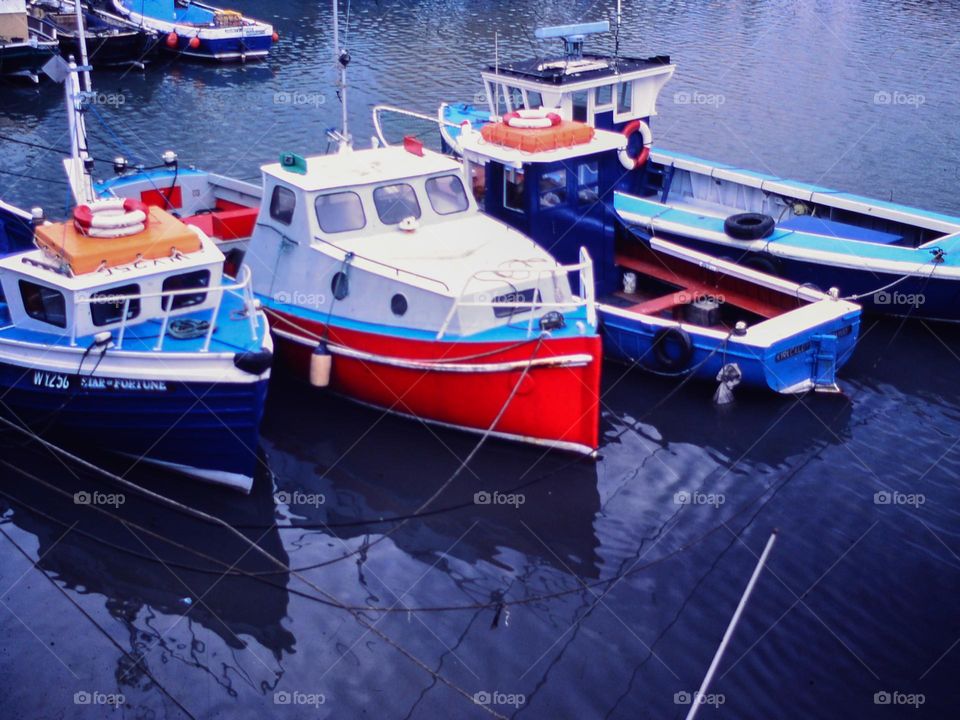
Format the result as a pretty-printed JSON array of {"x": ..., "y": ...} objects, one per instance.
[{"x": 553, "y": 405}]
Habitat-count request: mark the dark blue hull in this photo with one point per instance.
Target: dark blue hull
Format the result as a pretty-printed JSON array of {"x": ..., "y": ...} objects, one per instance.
[
  {"x": 222, "y": 49},
  {"x": 206, "y": 429}
]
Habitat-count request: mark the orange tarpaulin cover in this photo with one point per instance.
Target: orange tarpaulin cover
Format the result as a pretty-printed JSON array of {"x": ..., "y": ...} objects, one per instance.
[
  {"x": 164, "y": 235},
  {"x": 567, "y": 134}
]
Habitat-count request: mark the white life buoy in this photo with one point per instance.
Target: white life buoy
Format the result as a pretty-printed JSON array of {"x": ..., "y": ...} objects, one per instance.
[
  {"x": 111, "y": 218},
  {"x": 631, "y": 163},
  {"x": 536, "y": 119}
]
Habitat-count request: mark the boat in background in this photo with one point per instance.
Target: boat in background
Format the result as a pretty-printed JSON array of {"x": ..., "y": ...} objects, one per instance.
[
  {"x": 119, "y": 332},
  {"x": 16, "y": 229},
  {"x": 194, "y": 30},
  {"x": 110, "y": 40},
  {"x": 24, "y": 46},
  {"x": 893, "y": 259},
  {"x": 661, "y": 306}
]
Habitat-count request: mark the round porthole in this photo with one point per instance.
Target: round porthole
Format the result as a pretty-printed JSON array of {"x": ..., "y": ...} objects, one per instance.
[
  {"x": 398, "y": 303},
  {"x": 340, "y": 286}
]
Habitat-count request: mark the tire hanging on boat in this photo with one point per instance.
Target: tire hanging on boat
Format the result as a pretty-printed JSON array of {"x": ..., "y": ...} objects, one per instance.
[
  {"x": 762, "y": 262},
  {"x": 676, "y": 336},
  {"x": 749, "y": 226}
]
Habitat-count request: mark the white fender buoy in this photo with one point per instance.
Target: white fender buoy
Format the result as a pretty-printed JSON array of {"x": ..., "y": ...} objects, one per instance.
[{"x": 321, "y": 362}]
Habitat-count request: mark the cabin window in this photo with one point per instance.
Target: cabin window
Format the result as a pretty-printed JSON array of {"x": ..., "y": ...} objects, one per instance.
[
  {"x": 282, "y": 204},
  {"x": 106, "y": 307},
  {"x": 514, "y": 97},
  {"x": 395, "y": 203},
  {"x": 588, "y": 178},
  {"x": 187, "y": 281},
  {"x": 534, "y": 99},
  {"x": 513, "y": 188},
  {"x": 604, "y": 97},
  {"x": 44, "y": 304},
  {"x": 447, "y": 195},
  {"x": 340, "y": 212},
  {"x": 624, "y": 97},
  {"x": 553, "y": 188},
  {"x": 580, "y": 106}
]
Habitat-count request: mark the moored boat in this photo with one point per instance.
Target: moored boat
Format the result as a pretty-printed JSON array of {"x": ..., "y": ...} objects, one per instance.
[
  {"x": 662, "y": 307},
  {"x": 16, "y": 229},
  {"x": 120, "y": 332},
  {"x": 384, "y": 282},
  {"x": 195, "y": 30},
  {"x": 893, "y": 259},
  {"x": 24, "y": 47},
  {"x": 110, "y": 39}
]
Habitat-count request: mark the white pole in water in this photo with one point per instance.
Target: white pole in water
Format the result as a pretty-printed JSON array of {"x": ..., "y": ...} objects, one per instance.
[
  {"x": 341, "y": 68},
  {"x": 695, "y": 703},
  {"x": 82, "y": 39}
]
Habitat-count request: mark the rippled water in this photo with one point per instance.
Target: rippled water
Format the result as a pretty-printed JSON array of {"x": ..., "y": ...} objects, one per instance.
[{"x": 599, "y": 595}]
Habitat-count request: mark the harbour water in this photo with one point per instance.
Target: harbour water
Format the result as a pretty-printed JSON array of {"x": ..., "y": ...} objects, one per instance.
[{"x": 547, "y": 586}]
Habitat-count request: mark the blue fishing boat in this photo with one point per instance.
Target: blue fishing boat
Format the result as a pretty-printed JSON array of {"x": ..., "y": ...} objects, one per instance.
[
  {"x": 118, "y": 331},
  {"x": 195, "y": 30},
  {"x": 662, "y": 307},
  {"x": 891, "y": 258}
]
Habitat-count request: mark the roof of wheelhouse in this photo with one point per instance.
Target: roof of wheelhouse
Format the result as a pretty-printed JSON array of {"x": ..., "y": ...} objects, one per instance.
[
  {"x": 363, "y": 167},
  {"x": 566, "y": 70}
]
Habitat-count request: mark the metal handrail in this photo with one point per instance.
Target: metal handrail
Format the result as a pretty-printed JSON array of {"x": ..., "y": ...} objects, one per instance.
[
  {"x": 242, "y": 286},
  {"x": 586, "y": 299},
  {"x": 377, "y": 109},
  {"x": 397, "y": 270}
]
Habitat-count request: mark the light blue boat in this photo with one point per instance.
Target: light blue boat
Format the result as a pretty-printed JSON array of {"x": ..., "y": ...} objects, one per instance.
[{"x": 200, "y": 31}]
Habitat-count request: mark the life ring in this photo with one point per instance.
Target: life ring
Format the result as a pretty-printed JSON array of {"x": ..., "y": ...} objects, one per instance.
[
  {"x": 631, "y": 163},
  {"x": 749, "y": 226},
  {"x": 111, "y": 218},
  {"x": 677, "y": 336},
  {"x": 538, "y": 119}
]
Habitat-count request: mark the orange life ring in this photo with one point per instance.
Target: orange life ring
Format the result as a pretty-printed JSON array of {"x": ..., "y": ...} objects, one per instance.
[
  {"x": 538, "y": 119},
  {"x": 631, "y": 163}
]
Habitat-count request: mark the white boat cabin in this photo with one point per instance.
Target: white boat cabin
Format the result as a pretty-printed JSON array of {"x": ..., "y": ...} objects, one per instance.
[
  {"x": 41, "y": 293},
  {"x": 601, "y": 90},
  {"x": 391, "y": 236}
]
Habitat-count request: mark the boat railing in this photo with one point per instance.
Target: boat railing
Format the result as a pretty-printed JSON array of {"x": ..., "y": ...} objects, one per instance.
[
  {"x": 378, "y": 109},
  {"x": 531, "y": 306},
  {"x": 398, "y": 271},
  {"x": 241, "y": 287}
]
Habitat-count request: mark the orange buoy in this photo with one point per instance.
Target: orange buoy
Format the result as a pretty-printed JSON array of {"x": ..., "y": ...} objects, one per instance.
[
  {"x": 194, "y": 43},
  {"x": 276, "y": 36},
  {"x": 172, "y": 40}
]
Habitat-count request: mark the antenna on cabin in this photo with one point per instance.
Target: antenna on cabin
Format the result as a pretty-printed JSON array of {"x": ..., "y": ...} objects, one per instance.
[
  {"x": 573, "y": 35},
  {"x": 616, "y": 36},
  {"x": 342, "y": 59}
]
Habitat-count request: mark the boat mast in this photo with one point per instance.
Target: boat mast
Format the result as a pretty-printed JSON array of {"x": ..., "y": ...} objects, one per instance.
[
  {"x": 342, "y": 59},
  {"x": 82, "y": 40},
  {"x": 616, "y": 37},
  {"x": 79, "y": 165}
]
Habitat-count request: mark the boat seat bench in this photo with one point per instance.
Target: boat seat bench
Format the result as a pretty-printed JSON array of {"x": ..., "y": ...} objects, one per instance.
[{"x": 688, "y": 288}]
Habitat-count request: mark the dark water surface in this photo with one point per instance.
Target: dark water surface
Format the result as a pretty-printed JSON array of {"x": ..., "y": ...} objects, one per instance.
[{"x": 599, "y": 596}]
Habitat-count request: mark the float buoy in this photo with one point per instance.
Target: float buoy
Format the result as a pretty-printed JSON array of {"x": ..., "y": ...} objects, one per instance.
[
  {"x": 537, "y": 119},
  {"x": 111, "y": 218},
  {"x": 173, "y": 40},
  {"x": 194, "y": 43},
  {"x": 321, "y": 362},
  {"x": 275, "y": 37},
  {"x": 636, "y": 126}
]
